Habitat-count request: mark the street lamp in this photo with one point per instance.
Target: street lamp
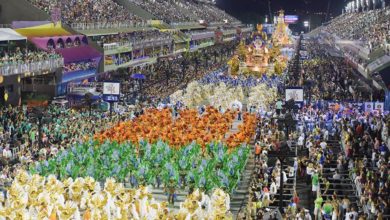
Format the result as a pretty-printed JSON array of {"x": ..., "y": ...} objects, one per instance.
[{"x": 306, "y": 24}]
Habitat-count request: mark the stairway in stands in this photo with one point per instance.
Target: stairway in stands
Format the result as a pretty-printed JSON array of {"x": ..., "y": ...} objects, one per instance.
[
  {"x": 343, "y": 187},
  {"x": 303, "y": 187},
  {"x": 288, "y": 187},
  {"x": 239, "y": 199}
]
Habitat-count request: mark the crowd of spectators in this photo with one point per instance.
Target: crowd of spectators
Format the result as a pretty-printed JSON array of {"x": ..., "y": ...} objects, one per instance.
[
  {"x": 108, "y": 11},
  {"x": 362, "y": 159},
  {"x": 64, "y": 127},
  {"x": 265, "y": 181},
  {"x": 21, "y": 56},
  {"x": 327, "y": 77},
  {"x": 355, "y": 58},
  {"x": 133, "y": 37},
  {"x": 168, "y": 11},
  {"x": 172, "y": 74},
  {"x": 87, "y": 11},
  {"x": 372, "y": 27},
  {"x": 184, "y": 11},
  {"x": 366, "y": 140}
]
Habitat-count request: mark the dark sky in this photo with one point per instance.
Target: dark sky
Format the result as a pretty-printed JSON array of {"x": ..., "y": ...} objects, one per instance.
[{"x": 251, "y": 11}]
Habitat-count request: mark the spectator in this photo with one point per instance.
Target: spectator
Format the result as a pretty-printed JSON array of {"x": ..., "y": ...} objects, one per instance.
[{"x": 87, "y": 11}]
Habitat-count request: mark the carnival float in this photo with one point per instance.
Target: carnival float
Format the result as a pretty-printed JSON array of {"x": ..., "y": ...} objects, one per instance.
[{"x": 263, "y": 55}]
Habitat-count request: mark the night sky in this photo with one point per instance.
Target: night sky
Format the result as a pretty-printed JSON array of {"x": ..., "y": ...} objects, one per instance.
[{"x": 253, "y": 11}]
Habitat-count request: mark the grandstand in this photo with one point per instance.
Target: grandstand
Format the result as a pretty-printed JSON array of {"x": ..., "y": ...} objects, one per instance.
[
  {"x": 370, "y": 28},
  {"x": 111, "y": 34},
  {"x": 365, "y": 40}
]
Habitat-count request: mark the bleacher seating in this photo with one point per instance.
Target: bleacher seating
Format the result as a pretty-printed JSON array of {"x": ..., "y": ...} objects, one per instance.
[
  {"x": 369, "y": 27},
  {"x": 183, "y": 11}
]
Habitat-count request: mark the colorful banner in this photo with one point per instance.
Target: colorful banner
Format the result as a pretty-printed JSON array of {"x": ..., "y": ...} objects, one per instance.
[
  {"x": 78, "y": 75},
  {"x": 291, "y": 19}
]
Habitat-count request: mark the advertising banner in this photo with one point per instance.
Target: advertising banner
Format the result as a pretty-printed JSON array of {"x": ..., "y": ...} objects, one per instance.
[
  {"x": 379, "y": 106},
  {"x": 294, "y": 93},
  {"x": 368, "y": 106}
]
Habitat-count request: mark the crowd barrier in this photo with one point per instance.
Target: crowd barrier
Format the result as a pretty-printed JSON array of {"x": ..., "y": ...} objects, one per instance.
[
  {"x": 50, "y": 64},
  {"x": 113, "y": 46},
  {"x": 247, "y": 29},
  {"x": 184, "y": 23},
  {"x": 138, "y": 43},
  {"x": 152, "y": 41},
  {"x": 5, "y": 26}
]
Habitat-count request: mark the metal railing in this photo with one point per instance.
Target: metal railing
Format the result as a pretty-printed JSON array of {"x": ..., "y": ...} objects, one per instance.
[
  {"x": 49, "y": 64},
  {"x": 114, "y": 46},
  {"x": 5, "y": 26},
  {"x": 216, "y": 23},
  {"x": 144, "y": 43},
  {"x": 236, "y": 23},
  {"x": 247, "y": 29},
  {"x": 202, "y": 35},
  {"x": 152, "y": 42},
  {"x": 184, "y": 24},
  {"x": 108, "y": 25}
]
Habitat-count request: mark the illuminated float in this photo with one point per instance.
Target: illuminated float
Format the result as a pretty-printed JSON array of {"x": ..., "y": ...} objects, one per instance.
[{"x": 263, "y": 55}]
